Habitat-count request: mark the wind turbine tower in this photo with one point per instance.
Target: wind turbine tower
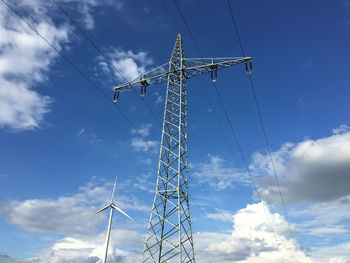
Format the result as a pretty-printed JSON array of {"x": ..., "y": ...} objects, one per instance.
[
  {"x": 169, "y": 234},
  {"x": 112, "y": 206}
]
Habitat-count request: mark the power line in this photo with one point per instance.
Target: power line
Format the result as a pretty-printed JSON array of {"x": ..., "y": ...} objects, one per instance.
[
  {"x": 236, "y": 29},
  {"x": 214, "y": 202},
  {"x": 260, "y": 119},
  {"x": 188, "y": 29},
  {"x": 108, "y": 60},
  {"x": 105, "y": 57},
  {"x": 201, "y": 81},
  {"x": 230, "y": 124},
  {"x": 223, "y": 133},
  {"x": 93, "y": 84},
  {"x": 237, "y": 141},
  {"x": 215, "y": 226},
  {"x": 216, "y": 118}
]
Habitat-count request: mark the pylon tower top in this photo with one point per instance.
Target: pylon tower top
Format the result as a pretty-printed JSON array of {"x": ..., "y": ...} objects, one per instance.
[{"x": 169, "y": 234}]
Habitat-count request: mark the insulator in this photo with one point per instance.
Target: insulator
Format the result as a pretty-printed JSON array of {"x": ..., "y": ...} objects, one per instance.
[
  {"x": 143, "y": 91},
  {"x": 212, "y": 75},
  {"x": 116, "y": 96},
  {"x": 249, "y": 69},
  {"x": 213, "y": 68}
]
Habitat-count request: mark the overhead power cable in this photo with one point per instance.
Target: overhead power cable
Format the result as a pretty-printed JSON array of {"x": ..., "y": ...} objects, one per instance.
[
  {"x": 227, "y": 143},
  {"x": 85, "y": 76},
  {"x": 226, "y": 219},
  {"x": 216, "y": 227},
  {"x": 260, "y": 118},
  {"x": 105, "y": 57},
  {"x": 227, "y": 118}
]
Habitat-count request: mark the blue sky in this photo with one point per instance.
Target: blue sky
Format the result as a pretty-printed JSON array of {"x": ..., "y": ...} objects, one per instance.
[{"x": 62, "y": 143}]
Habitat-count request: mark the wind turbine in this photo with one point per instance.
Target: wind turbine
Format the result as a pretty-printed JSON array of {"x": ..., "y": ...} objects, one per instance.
[{"x": 112, "y": 206}]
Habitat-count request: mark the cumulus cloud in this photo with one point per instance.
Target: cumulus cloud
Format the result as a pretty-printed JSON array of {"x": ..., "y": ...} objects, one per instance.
[
  {"x": 24, "y": 59},
  {"x": 141, "y": 143},
  {"x": 218, "y": 174},
  {"x": 143, "y": 130},
  {"x": 339, "y": 253},
  {"x": 253, "y": 239},
  {"x": 67, "y": 214},
  {"x": 312, "y": 170},
  {"x": 327, "y": 220},
  {"x": 85, "y": 9},
  {"x": 341, "y": 129},
  {"x": 88, "y": 250},
  {"x": 129, "y": 64},
  {"x": 92, "y": 249},
  {"x": 315, "y": 183}
]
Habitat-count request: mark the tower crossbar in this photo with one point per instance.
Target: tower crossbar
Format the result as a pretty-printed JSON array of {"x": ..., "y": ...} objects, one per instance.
[{"x": 169, "y": 234}]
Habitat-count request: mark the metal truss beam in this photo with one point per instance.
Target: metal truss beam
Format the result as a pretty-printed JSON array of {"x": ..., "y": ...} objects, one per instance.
[{"x": 169, "y": 234}]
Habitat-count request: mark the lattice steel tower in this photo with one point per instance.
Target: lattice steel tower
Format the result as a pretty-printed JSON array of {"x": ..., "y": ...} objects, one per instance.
[{"x": 169, "y": 234}]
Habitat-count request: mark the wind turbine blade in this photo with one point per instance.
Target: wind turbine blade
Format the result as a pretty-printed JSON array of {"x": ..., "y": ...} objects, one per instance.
[
  {"x": 121, "y": 211},
  {"x": 102, "y": 209},
  {"x": 115, "y": 184}
]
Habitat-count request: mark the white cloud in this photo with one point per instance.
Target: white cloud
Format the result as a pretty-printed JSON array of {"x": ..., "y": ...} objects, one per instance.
[
  {"x": 91, "y": 249},
  {"x": 81, "y": 131},
  {"x": 24, "y": 59},
  {"x": 341, "y": 129},
  {"x": 146, "y": 161},
  {"x": 315, "y": 183},
  {"x": 252, "y": 238},
  {"x": 143, "y": 130},
  {"x": 251, "y": 241},
  {"x": 85, "y": 8},
  {"x": 312, "y": 170},
  {"x": 68, "y": 214},
  {"x": 144, "y": 182},
  {"x": 131, "y": 65},
  {"x": 339, "y": 253},
  {"x": 327, "y": 220},
  {"x": 141, "y": 143},
  {"x": 216, "y": 172},
  {"x": 159, "y": 98},
  {"x": 221, "y": 215}
]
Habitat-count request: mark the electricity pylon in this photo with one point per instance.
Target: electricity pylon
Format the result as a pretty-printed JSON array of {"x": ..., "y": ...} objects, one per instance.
[{"x": 169, "y": 234}]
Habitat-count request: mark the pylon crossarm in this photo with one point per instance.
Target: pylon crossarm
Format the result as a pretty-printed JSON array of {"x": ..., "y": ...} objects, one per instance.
[
  {"x": 158, "y": 75},
  {"x": 169, "y": 234},
  {"x": 198, "y": 66},
  {"x": 192, "y": 67}
]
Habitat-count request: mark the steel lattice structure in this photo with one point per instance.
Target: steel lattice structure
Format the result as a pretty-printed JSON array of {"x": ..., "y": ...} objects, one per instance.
[{"x": 169, "y": 234}]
